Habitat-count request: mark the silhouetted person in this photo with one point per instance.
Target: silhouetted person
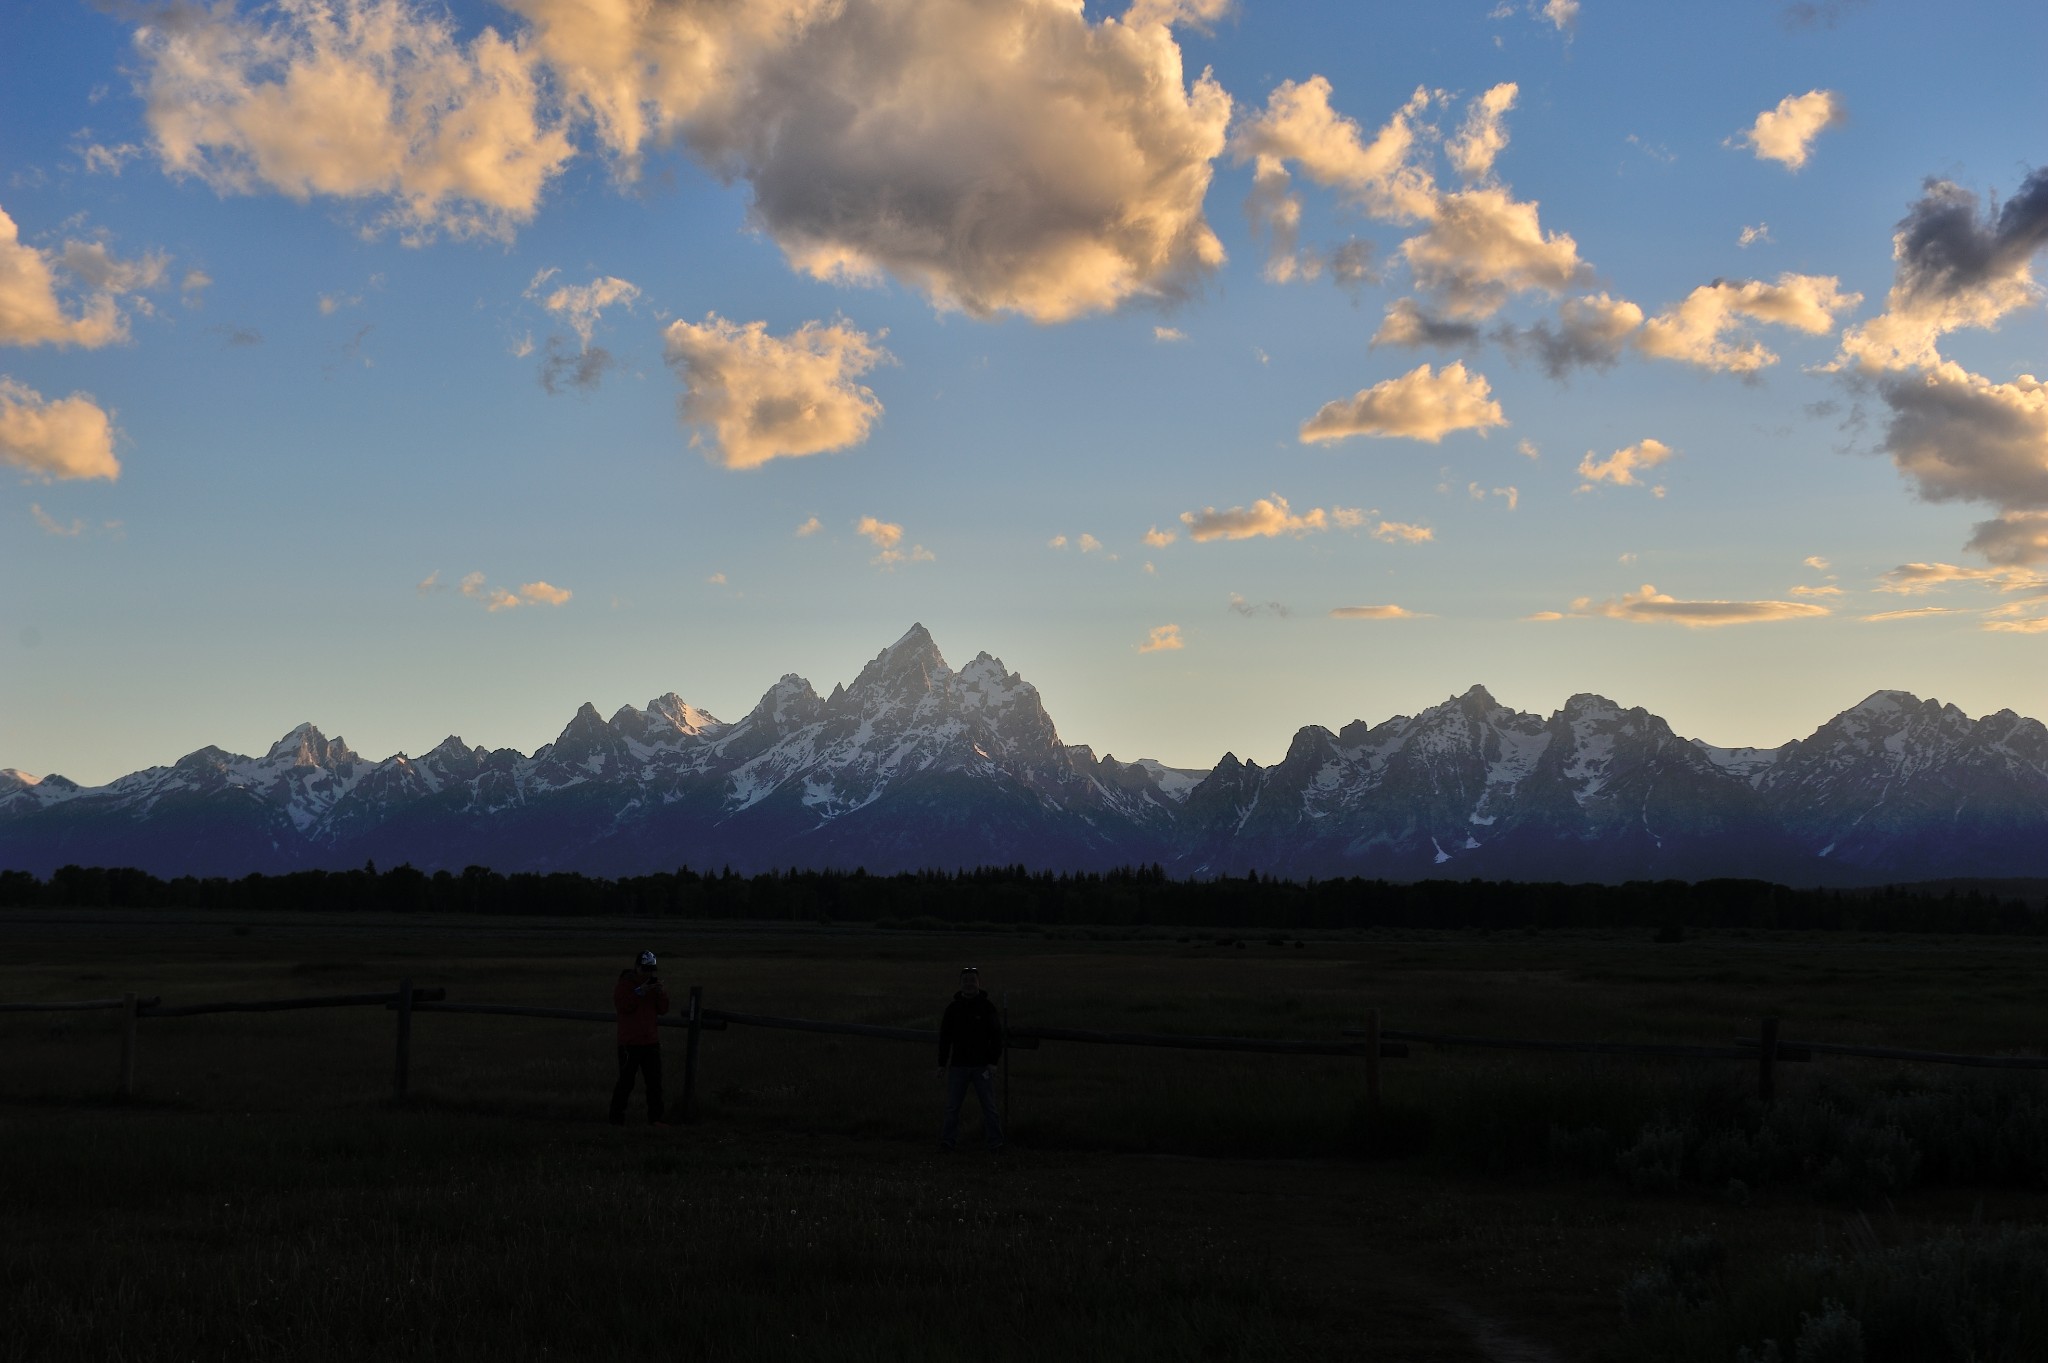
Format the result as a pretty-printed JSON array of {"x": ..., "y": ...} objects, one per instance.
[
  {"x": 970, "y": 1048},
  {"x": 639, "y": 999}
]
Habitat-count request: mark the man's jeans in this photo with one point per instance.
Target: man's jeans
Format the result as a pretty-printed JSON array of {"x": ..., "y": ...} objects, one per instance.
[
  {"x": 958, "y": 1077},
  {"x": 644, "y": 1060}
]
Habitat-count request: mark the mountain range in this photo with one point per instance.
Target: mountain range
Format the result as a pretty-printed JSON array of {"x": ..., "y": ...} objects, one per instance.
[{"x": 917, "y": 765}]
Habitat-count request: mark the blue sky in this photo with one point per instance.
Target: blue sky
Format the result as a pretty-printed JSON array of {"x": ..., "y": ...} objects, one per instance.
[{"x": 326, "y": 328}]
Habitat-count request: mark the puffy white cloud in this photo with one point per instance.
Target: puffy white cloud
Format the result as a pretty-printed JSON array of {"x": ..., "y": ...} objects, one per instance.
[
  {"x": 1420, "y": 405},
  {"x": 1163, "y": 639},
  {"x": 354, "y": 99},
  {"x": 1407, "y": 325},
  {"x": 1785, "y": 134},
  {"x": 887, "y": 537},
  {"x": 496, "y": 599},
  {"x": 1648, "y": 605},
  {"x": 1483, "y": 135},
  {"x": 1562, "y": 14},
  {"x": 1951, "y": 269},
  {"x": 1483, "y": 245},
  {"x": 1621, "y": 467},
  {"x": 1263, "y": 519},
  {"x": 1401, "y": 532},
  {"x": 581, "y": 305},
  {"x": 1168, "y": 335},
  {"x": 1156, "y": 538},
  {"x": 55, "y": 438},
  {"x": 1298, "y": 125},
  {"x": 764, "y": 397},
  {"x": 1056, "y": 542},
  {"x": 996, "y": 155},
  {"x": 1750, "y": 236},
  {"x": 1591, "y": 332},
  {"x": 810, "y": 527},
  {"x": 1693, "y": 331},
  {"x": 31, "y": 312},
  {"x": 1388, "y": 612},
  {"x": 1817, "y": 563}
]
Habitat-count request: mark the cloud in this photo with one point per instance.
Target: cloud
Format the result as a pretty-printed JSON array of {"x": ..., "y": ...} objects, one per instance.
[
  {"x": 1817, "y": 563},
  {"x": 810, "y": 527},
  {"x": 1483, "y": 135},
  {"x": 887, "y": 537},
  {"x": 1562, "y": 14},
  {"x": 101, "y": 159},
  {"x": 1592, "y": 331},
  {"x": 1528, "y": 449},
  {"x": 1651, "y": 606},
  {"x": 1692, "y": 331},
  {"x": 1056, "y": 542},
  {"x": 1400, "y": 532},
  {"x": 1156, "y": 538},
  {"x": 55, "y": 438},
  {"x": 1406, "y": 324},
  {"x": 1088, "y": 544},
  {"x": 1952, "y": 267},
  {"x": 1482, "y": 246},
  {"x": 716, "y": 580},
  {"x": 430, "y": 584},
  {"x": 1915, "y": 613},
  {"x": 995, "y": 155},
  {"x": 1750, "y": 236},
  {"x": 2032, "y": 625},
  {"x": 580, "y": 306},
  {"x": 2014, "y": 538},
  {"x": 1265, "y": 518},
  {"x": 52, "y": 526},
  {"x": 239, "y": 337},
  {"x": 1240, "y": 606},
  {"x": 583, "y": 370},
  {"x": 331, "y": 303},
  {"x": 1375, "y": 613},
  {"x": 1163, "y": 639},
  {"x": 366, "y": 100},
  {"x": 1961, "y": 437},
  {"x": 1511, "y": 494},
  {"x": 1299, "y": 126},
  {"x": 494, "y": 599},
  {"x": 1419, "y": 405},
  {"x": 1621, "y": 467},
  {"x": 1168, "y": 335},
  {"x": 1785, "y": 134},
  {"x": 1805, "y": 590},
  {"x": 1915, "y": 579},
  {"x": 101, "y": 270},
  {"x": 764, "y": 397},
  {"x": 31, "y": 312}
]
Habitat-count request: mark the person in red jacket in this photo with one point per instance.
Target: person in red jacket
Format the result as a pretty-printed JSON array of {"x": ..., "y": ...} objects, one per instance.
[{"x": 639, "y": 999}]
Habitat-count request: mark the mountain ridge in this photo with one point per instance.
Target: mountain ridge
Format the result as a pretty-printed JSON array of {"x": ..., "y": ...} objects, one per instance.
[{"x": 915, "y": 764}]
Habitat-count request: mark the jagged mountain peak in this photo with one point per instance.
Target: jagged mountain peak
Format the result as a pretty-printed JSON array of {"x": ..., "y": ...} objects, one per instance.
[
  {"x": 306, "y": 746},
  {"x": 912, "y": 665}
]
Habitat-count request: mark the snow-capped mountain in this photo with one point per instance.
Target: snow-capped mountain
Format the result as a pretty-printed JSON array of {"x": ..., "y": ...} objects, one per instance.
[{"x": 914, "y": 764}]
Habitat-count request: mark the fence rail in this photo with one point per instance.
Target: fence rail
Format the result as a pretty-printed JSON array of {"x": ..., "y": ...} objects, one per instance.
[{"x": 1373, "y": 1042}]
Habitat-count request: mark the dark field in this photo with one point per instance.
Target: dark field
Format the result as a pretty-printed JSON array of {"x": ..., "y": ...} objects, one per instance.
[{"x": 263, "y": 1198}]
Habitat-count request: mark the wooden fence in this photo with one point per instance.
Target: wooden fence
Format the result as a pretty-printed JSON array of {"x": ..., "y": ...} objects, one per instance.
[{"x": 1372, "y": 1043}]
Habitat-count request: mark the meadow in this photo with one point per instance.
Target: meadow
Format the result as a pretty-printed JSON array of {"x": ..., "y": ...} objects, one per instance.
[{"x": 263, "y": 1196}]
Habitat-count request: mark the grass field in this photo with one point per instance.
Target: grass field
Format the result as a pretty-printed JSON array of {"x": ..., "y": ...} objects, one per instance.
[{"x": 262, "y": 1197}]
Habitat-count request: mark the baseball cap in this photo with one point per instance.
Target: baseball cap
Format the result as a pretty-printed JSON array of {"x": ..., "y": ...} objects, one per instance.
[{"x": 647, "y": 959}]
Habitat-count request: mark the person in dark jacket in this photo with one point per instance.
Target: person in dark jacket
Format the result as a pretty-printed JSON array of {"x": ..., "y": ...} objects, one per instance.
[
  {"x": 639, "y": 999},
  {"x": 970, "y": 1048}
]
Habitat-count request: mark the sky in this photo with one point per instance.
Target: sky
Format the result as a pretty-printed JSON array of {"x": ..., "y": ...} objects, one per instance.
[{"x": 1222, "y": 368}]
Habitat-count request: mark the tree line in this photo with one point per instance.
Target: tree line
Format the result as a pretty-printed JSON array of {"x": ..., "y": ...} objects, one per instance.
[{"x": 1015, "y": 897}]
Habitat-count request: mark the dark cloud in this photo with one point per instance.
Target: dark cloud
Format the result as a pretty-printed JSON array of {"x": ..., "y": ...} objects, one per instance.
[
  {"x": 563, "y": 368},
  {"x": 1590, "y": 333},
  {"x": 1252, "y": 608},
  {"x": 237, "y": 336},
  {"x": 1946, "y": 246},
  {"x": 1408, "y": 325},
  {"x": 1961, "y": 437}
]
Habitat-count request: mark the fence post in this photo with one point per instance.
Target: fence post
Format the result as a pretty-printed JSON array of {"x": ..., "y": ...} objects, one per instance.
[
  {"x": 690, "y": 1054},
  {"x": 1766, "y": 1057},
  {"x": 1372, "y": 1061},
  {"x": 128, "y": 1014},
  {"x": 402, "y": 1066}
]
